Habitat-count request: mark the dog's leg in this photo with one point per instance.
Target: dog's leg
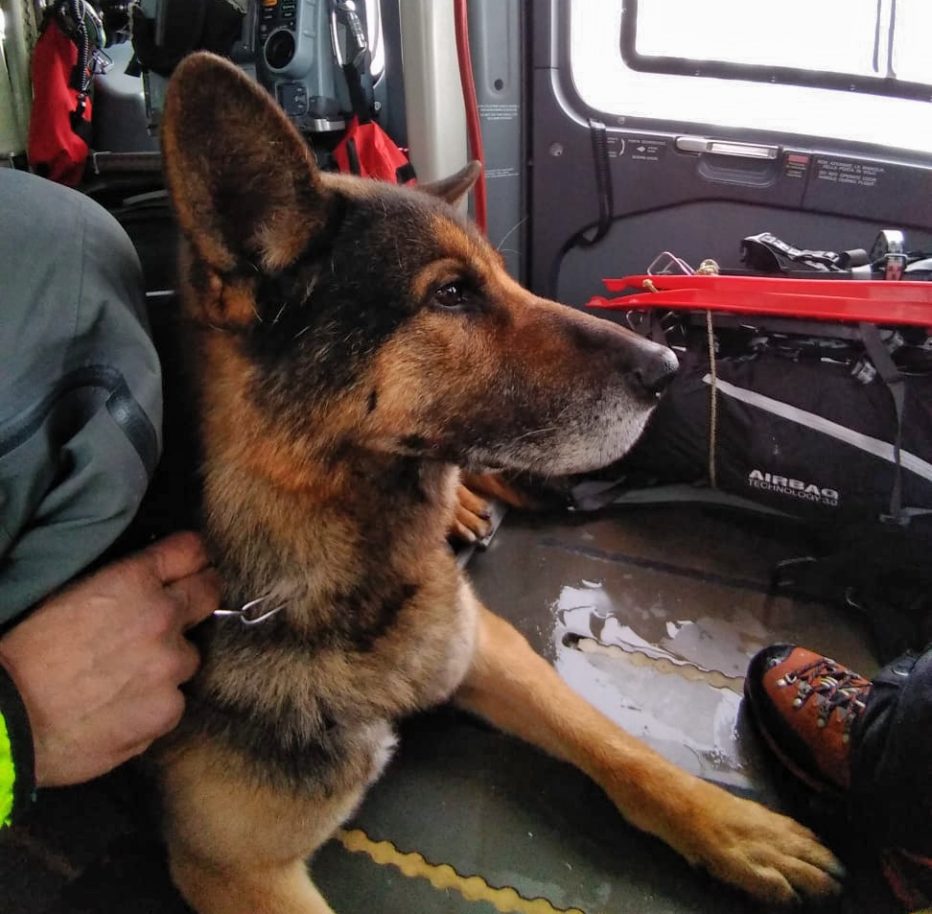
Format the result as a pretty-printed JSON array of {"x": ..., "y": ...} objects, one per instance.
[
  {"x": 237, "y": 847},
  {"x": 285, "y": 889},
  {"x": 471, "y": 509},
  {"x": 494, "y": 485},
  {"x": 741, "y": 842}
]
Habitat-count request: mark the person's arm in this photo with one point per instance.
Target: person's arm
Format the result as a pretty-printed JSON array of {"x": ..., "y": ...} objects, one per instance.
[
  {"x": 17, "y": 765},
  {"x": 91, "y": 677}
]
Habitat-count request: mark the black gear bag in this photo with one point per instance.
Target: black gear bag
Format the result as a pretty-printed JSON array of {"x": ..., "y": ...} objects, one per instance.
[{"x": 827, "y": 421}]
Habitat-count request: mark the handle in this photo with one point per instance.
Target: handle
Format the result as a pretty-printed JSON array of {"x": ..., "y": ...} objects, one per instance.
[{"x": 702, "y": 144}]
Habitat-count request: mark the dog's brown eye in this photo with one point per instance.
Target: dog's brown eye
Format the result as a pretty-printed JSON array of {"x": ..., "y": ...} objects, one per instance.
[{"x": 452, "y": 295}]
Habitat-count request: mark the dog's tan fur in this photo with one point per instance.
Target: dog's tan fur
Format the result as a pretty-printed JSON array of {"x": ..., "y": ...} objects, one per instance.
[{"x": 334, "y": 409}]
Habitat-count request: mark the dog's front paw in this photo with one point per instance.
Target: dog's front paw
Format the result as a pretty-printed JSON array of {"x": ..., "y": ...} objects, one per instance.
[
  {"x": 471, "y": 518},
  {"x": 766, "y": 854}
]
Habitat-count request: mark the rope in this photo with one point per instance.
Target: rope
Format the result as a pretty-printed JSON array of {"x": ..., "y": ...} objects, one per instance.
[{"x": 713, "y": 400}]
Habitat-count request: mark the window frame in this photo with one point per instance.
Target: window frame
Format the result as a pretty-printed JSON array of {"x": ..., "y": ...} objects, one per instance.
[{"x": 792, "y": 76}]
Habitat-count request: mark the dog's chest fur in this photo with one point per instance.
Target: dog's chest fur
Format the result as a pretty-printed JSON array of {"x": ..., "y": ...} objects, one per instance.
[{"x": 378, "y": 621}]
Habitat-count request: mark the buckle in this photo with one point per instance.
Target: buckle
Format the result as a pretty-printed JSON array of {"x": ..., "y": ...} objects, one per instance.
[{"x": 248, "y": 613}]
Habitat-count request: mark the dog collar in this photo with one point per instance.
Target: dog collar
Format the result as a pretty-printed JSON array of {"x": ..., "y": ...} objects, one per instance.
[{"x": 250, "y": 613}]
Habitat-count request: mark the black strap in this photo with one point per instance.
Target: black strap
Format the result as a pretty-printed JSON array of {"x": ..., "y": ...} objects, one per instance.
[
  {"x": 405, "y": 173},
  {"x": 896, "y": 384},
  {"x": 80, "y": 78},
  {"x": 603, "y": 184},
  {"x": 355, "y": 60},
  {"x": 352, "y": 157},
  {"x": 359, "y": 83},
  {"x": 80, "y": 126},
  {"x": 764, "y": 251}
]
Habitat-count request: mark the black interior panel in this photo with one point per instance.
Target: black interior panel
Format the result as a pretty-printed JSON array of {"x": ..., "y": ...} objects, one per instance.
[
  {"x": 703, "y": 229},
  {"x": 812, "y": 192}
]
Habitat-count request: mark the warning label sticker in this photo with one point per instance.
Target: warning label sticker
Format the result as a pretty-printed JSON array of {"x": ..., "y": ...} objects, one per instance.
[
  {"x": 492, "y": 173},
  {"x": 839, "y": 171},
  {"x": 647, "y": 150},
  {"x": 498, "y": 112}
]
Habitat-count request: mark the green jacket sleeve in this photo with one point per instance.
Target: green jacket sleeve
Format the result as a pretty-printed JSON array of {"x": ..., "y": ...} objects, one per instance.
[{"x": 17, "y": 764}]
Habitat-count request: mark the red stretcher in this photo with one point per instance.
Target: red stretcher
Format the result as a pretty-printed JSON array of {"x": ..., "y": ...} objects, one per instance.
[{"x": 851, "y": 301}]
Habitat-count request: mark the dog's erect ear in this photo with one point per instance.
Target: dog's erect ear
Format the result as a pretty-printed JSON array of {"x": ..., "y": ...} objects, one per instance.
[
  {"x": 244, "y": 184},
  {"x": 454, "y": 188}
]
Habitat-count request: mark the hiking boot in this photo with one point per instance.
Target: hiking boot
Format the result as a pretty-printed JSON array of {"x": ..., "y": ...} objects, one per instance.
[{"x": 805, "y": 705}]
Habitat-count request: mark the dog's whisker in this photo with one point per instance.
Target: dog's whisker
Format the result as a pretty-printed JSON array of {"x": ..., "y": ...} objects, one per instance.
[
  {"x": 280, "y": 312},
  {"x": 258, "y": 315},
  {"x": 302, "y": 332},
  {"x": 535, "y": 431}
]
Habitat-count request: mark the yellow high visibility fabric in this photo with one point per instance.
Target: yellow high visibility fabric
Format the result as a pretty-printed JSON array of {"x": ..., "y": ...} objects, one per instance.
[{"x": 7, "y": 775}]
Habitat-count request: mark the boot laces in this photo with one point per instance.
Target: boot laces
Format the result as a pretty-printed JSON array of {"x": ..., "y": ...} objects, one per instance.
[{"x": 834, "y": 687}]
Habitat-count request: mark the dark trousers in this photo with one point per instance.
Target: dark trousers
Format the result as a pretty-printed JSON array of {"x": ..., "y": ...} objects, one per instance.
[{"x": 891, "y": 756}]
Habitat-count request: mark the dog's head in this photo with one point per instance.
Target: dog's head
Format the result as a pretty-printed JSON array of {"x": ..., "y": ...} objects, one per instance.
[{"x": 375, "y": 316}]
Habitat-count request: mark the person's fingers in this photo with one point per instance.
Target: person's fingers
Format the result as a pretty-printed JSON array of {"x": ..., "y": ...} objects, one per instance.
[
  {"x": 186, "y": 660},
  {"x": 196, "y": 596},
  {"x": 175, "y": 557}
]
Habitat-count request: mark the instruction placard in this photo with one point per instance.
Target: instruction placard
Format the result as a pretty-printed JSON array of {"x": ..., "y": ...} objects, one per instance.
[
  {"x": 498, "y": 112},
  {"x": 841, "y": 171}
]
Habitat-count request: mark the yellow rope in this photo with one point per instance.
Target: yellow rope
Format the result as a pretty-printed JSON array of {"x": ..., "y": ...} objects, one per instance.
[
  {"x": 443, "y": 876},
  {"x": 713, "y": 401}
]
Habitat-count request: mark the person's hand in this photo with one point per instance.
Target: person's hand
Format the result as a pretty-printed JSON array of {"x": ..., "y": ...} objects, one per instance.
[{"x": 99, "y": 664}]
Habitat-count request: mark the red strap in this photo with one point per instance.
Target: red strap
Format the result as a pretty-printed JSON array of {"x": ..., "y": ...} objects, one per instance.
[
  {"x": 54, "y": 149},
  {"x": 367, "y": 150}
]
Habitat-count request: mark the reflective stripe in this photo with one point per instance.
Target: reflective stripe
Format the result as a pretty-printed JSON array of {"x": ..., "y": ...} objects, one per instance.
[
  {"x": 7, "y": 775},
  {"x": 875, "y": 446}
]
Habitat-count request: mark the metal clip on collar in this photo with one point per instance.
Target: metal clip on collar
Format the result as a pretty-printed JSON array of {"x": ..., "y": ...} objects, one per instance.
[{"x": 244, "y": 613}]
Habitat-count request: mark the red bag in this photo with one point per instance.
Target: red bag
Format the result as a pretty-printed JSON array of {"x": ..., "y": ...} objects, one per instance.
[
  {"x": 367, "y": 150},
  {"x": 60, "y": 123}
]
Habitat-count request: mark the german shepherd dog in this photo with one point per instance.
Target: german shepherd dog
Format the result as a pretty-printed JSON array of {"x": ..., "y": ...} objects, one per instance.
[{"x": 357, "y": 343}]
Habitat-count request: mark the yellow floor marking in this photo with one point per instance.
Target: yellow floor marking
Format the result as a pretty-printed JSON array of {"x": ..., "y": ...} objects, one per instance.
[{"x": 443, "y": 876}]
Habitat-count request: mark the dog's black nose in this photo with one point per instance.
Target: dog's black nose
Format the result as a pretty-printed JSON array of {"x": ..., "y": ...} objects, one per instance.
[{"x": 655, "y": 370}]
